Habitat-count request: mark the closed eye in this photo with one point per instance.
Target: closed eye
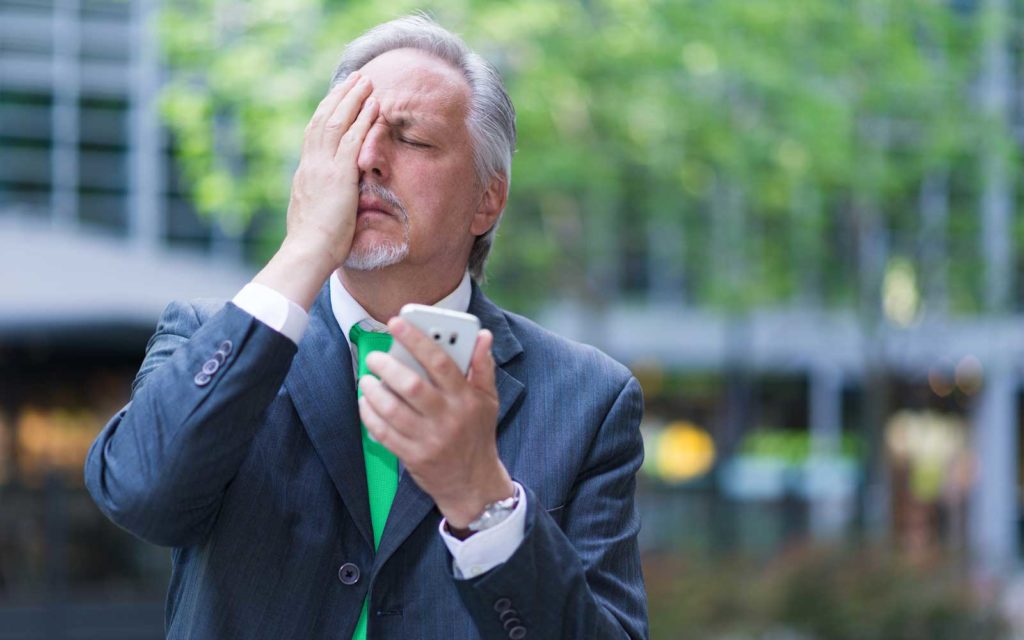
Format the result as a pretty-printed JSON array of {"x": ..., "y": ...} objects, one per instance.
[{"x": 414, "y": 143}]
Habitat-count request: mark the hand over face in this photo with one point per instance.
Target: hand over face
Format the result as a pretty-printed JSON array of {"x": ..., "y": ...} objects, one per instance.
[
  {"x": 443, "y": 429},
  {"x": 325, "y": 188}
]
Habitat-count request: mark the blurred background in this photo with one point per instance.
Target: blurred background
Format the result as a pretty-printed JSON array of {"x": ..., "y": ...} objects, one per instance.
[{"x": 797, "y": 221}]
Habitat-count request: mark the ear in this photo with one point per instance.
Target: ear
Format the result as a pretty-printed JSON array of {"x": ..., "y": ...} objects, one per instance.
[{"x": 492, "y": 203}]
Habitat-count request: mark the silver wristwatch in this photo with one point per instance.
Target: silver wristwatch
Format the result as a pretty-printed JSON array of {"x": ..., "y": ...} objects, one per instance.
[{"x": 495, "y": 513}]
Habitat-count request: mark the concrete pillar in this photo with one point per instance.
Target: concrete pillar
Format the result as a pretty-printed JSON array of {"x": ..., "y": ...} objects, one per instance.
[
  {"x": 829, "y": 479},
  {"x": 666, "y": 244},
  {"x": 993, "y": 511},
  {"x": 933, "y": 245},
  {"x": 64, "y": 149},
  {"x": 146, "y": 168},
  {"x": 997, "y": 196}
]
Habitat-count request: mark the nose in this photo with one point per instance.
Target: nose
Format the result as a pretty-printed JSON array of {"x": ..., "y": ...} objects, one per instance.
[{"x": 372, "y": 158}]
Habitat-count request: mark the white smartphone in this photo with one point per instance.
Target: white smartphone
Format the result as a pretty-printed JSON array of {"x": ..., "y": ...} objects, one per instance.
[{"x": 453, "y": 331}]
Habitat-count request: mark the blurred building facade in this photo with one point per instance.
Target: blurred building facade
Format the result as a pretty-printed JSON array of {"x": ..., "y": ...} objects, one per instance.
[{"x": 96, "y": 237}]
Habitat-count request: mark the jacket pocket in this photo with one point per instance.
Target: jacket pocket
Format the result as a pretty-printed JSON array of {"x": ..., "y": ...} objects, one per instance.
[{"x": 556, "y": 514}]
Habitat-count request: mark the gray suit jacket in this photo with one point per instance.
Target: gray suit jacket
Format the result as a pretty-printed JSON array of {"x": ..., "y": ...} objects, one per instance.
[{"x": 254, "y": 475}]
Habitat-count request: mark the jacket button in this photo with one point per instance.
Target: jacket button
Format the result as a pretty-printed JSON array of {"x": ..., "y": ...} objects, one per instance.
[
  {"x": 348, "y": 573},
  {"x": 517, "y": 633},
  {"x": 201, "y": 379},
  {"x": 210, "y": 367},
  {"x": 218, "y": 357},
  {"x": 225, "y": 347},
  {"x": 501, "y": 604}
]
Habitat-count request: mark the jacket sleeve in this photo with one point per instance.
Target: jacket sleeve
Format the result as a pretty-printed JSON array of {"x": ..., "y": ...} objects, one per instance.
[
  {"x": 582, "y": 580},
  {"x": 160, "y": 467}
]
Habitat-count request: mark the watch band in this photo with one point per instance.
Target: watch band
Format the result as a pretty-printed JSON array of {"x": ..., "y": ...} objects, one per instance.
[{"x": 495, "y": 513}]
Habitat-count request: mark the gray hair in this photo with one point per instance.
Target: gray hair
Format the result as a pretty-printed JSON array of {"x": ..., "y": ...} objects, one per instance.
[{"x": 491, "y": 120}]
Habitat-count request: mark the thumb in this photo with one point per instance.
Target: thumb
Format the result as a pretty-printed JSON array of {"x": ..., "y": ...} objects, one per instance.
[{"x": 481, "y": 367}]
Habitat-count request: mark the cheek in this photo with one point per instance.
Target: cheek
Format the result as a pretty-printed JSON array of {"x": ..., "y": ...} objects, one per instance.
[
  {"x": 441, "y": 195},
  {"x": 439, "y": 188}
]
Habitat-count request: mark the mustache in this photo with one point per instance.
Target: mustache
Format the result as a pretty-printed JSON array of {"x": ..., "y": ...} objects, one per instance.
[{"x": 387, "y": 196}]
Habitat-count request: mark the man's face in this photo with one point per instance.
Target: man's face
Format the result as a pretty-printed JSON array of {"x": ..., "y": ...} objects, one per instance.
[{"x": 419, "y": 150}]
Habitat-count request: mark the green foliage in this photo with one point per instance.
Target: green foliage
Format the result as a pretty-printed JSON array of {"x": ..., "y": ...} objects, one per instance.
[
  {"x": 816, "y": 593},
  {"x": 749, "y": 132},
  {"x": 793, "y": 447}
]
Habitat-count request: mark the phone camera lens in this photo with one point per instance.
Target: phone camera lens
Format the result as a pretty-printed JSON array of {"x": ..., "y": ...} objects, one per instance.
[
  {"x": 452, "y": 338},
  {"x": 437, "y": 336}
]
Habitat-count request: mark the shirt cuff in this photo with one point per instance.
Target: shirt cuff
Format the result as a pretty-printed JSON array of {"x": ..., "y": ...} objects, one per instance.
[
  {"x": 273, "y": 309},
  {"x": 486, "y": 549}
]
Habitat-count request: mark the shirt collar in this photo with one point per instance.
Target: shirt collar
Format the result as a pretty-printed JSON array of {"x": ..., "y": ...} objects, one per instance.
[{"x": 348, "y": 312}]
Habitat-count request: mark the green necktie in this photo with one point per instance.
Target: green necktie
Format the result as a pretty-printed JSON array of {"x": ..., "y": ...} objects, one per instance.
[{"x": 381, "y": 464}]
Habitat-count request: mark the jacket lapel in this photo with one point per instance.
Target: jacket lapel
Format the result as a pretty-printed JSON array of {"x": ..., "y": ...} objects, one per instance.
[
  {"x": 411, "y": 503},
  {"x": 323, "y": 390}
]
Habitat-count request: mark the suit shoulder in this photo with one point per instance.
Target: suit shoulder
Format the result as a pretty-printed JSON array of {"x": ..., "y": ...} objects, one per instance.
[{"x": 559, "y": 351}]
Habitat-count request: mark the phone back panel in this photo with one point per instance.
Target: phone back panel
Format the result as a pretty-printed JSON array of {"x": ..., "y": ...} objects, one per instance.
[{"x": 453, "y": 331}]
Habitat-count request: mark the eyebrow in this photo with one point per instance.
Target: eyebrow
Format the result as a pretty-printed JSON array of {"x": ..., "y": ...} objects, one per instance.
[
  {"x": 406, "y": 120},
  {"x": 401, "y": 121}
]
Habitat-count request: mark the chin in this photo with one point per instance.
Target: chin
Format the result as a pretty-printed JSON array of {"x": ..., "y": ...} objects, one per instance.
[{"x": 377, "y": 255}]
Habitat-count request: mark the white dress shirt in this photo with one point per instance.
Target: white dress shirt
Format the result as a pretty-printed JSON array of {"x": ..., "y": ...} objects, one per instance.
[{"x": 471, "y": 557}]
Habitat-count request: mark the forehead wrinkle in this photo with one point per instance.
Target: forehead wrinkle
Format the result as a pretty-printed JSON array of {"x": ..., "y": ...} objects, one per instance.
[
  {"x": 413, "y": 88},
  {"x": 405, "y": 118}
]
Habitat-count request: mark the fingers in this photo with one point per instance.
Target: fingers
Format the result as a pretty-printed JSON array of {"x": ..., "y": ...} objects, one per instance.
[
  {"x": 382, "y": 431},
  {"x": 314, "y": 130},
  {"x": 403, "y": 382},
  {"x": 344, "y": 114},
  {"x": 481, "y": 367},
  {"x": 442, "y": 369},
  {"x": 389, "y": 406},
  {"x": 352, "y": 140}
]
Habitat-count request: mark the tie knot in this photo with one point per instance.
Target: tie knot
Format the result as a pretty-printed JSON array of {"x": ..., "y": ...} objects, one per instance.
[{"x": 367, "y": 341}]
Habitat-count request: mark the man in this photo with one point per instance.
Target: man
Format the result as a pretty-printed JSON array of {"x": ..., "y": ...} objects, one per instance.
[{"x": 498, "y": 504}]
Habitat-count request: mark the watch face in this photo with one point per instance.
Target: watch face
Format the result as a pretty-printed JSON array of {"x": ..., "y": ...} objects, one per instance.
[
  {"x": 495, "y": 513},
  {"x": 489, "y": 519}
]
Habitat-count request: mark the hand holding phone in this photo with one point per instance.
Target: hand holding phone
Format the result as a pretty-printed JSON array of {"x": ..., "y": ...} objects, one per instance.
[{"x": 453, "y": 331}]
